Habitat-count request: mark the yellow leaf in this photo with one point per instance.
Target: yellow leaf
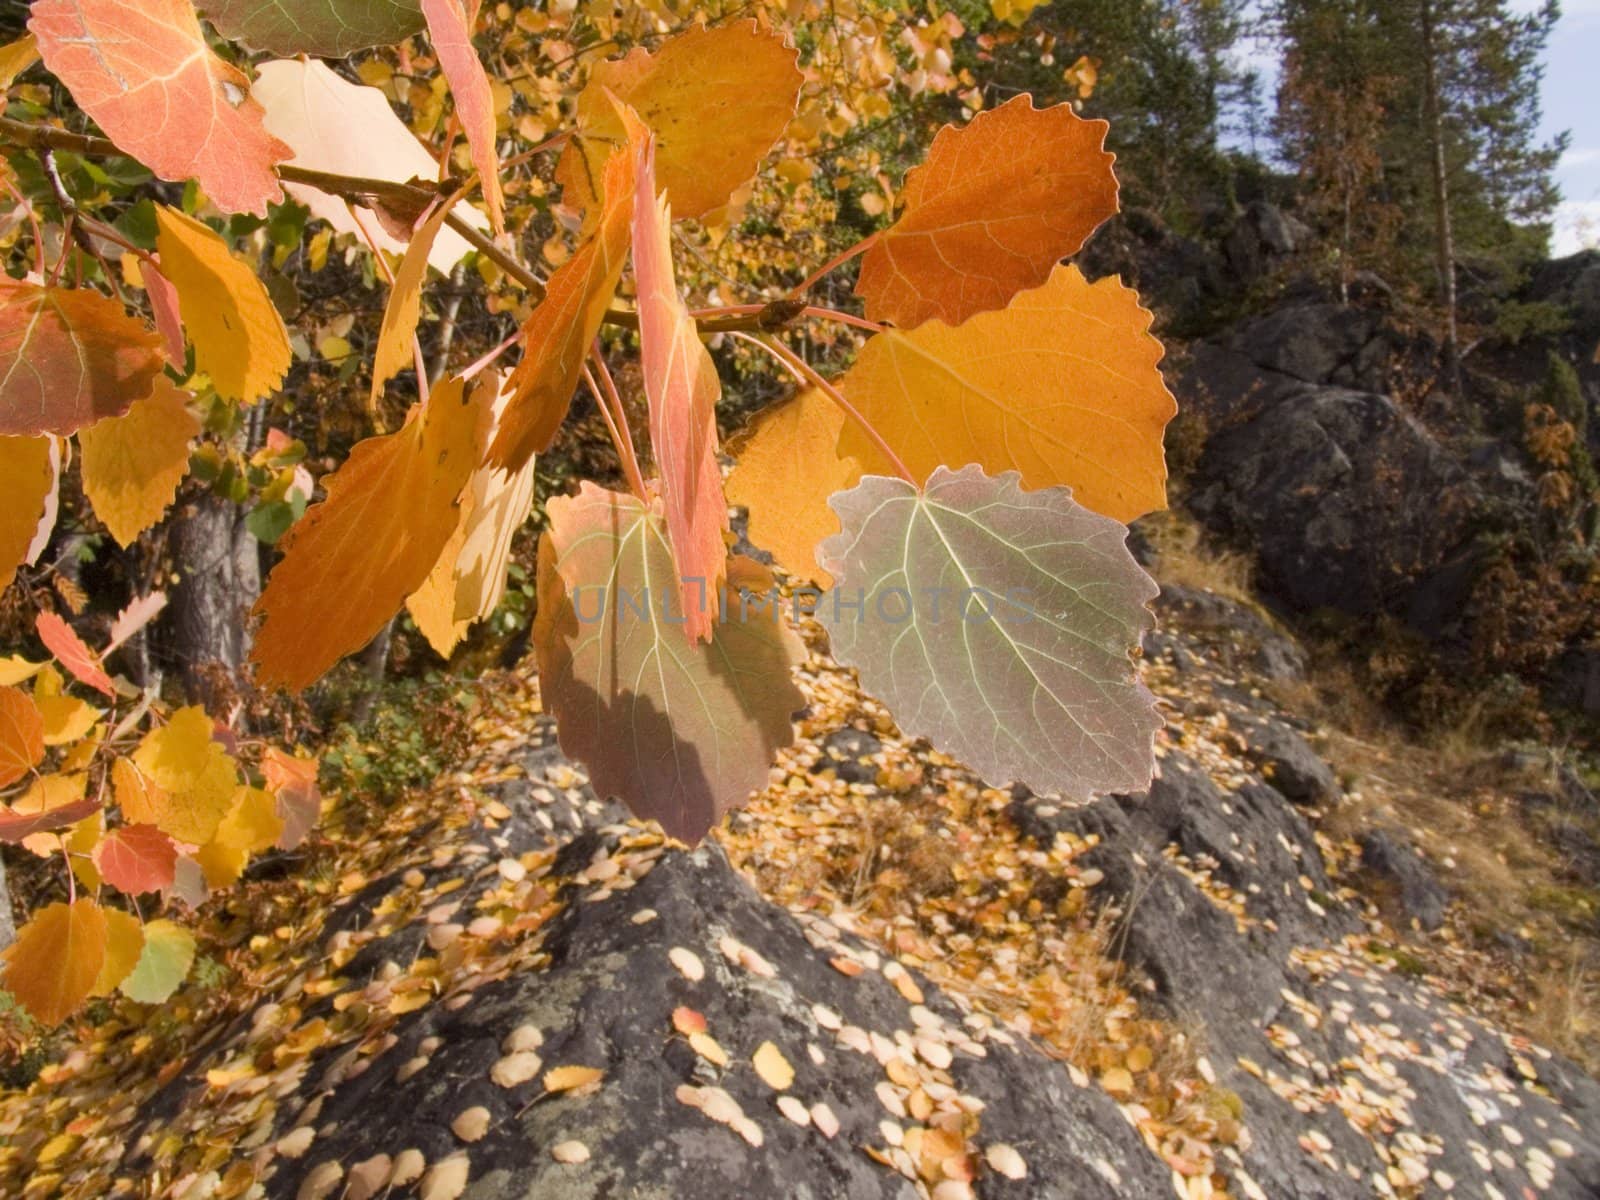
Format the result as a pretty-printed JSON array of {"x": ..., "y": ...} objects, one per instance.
[
  {"x": 239, "y": 338},
  {"x": 27, "y": 480},
  {"x": 16, "y": 669},
  {"x": 1062, "y": 386},
  {"x": 15, "y": 58},
  {"x": 565, "y": 1079},
  {"x": 400, "y": 315},
  {"x": 53, "y": 965},
  {"x": 1118, "y": 1082},
  {"x": 124, "y": 942},
  {"x": 221, "y": 863},
  {"x": 786, "y": 465},
  {"x": 390, "y": 510},
  {"x": 194, "y": 777},
  {"x": 80, "y": 844},
  {"x": 132, "y": 464},
  {"x": 467, "y": 582},
  {"x": 773, "y": 1067},
  {"x": 163, "y": 963},
  {"x": 49, "y": 792},
  {"x": 252, "y": 824},
  {"x": 717, "y": 99}
]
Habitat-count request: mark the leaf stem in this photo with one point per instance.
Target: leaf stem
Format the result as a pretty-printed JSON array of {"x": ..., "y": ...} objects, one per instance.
[
  {"x": 616, "y": 419},
  {"x": 838, "y": 260},
  {"x": 808, "y": 374}
]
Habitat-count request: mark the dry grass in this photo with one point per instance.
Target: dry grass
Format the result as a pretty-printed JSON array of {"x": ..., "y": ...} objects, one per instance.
[{"x": 1185, "y": 559}]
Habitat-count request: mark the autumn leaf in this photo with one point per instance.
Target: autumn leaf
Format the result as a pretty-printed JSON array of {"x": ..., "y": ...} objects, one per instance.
[
  {"x": 51, "y": 968},
  {"x": 28, "y": 817},
  {"x": 567, "y": 1079},
  {"x": 716, "y": 99},
  {"x": 327, "y": 28},
  {"x": 163, "y": 964},
  {"x": 72, "y": 357},
  {"x": 682, "y": 732},
  {"x": 452, "y": 41},
  {"x": 786, "y": 465},
  {"x": 253, "y": 823},
  {"x": 138, "y": 613},
  {"x": 21, "y": 735},
  {"x": 294, "y": 780},
  {"x": 15, "y": 58},
  {"x": 124, "y": 945},
  {"x": 239, "y": 338},
  {"x": 342, "y": 128},
  {"x": 80, "y": 661},
  {"x": 132, "y": 464},
  {"x": 163, "y": 298},
  {"x": 137, "y": 858},
  {"x": 989, "y": 213},
  {"x": 998, "y": 624},
  {"x": 400, "y": 315},
  {"x": 469, "y": 578},
  {"x": 352, "y": 560},
  {"x": 187, "y": 782},
  {"x": 557, "y": 335},
  {"x": 680, "y": 382},
  {"x": 1062, "y": 386},
  {"x": 26, "y": 481},
  {"x": 145, "y": 74}
]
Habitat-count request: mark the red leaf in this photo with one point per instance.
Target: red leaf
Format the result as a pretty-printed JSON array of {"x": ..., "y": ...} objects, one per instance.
[
  {"x": 137, "y": 858},
  {"x": 450, "y": 31},
  {"x": 71, "y": 653},
  {"x": 15, "y": 826},
  {"x": 680, "y": 381},
  {"x": 163, "y": 299},
  {"x": 71, "y": 356},
  {"x": 143, "y": 71}
]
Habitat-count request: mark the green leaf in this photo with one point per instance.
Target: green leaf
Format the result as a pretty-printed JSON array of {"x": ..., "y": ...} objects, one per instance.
[
  {"x": 270, "y": 521},
  {"x": 996, "y": 623},
  {"x": 680, "y": 732},
  {"x": 328, "y": 28},
  {"x": 163, "y": 963}
]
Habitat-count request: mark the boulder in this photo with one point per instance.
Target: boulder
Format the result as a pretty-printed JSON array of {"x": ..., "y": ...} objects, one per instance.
[{"x": 1422, "y": 897}]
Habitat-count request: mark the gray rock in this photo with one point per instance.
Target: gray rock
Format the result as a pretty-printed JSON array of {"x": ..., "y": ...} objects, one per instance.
[
  {"x": 848, "y": 753},
  {"x": 1288, "y": 760},
  {"x": 1421, "y": 895}
]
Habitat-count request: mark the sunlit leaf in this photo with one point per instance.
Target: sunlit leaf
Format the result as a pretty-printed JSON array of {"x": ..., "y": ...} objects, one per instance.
[
  {"x": 163, "y": 963},
  {"x": 557, "y": 335},
  {"x": 682, "y": 732},
  {"x": 253, "y": 823},
  {"x": 351, "y": 561},
  {"x": 137, "y": 858},
  {"x": 26, "y": 480},
  {"x": 52, "y": 966},
  {"x": 70, "y": 357},
  {"x": 188, "y": 778},
  {"x": 329, "y": 28},
  {"x": 239, "y": 338},
  {"x": 716, "y": 99},
  {"x": 132, "y": 464},
  {"x": 989, "y": 213},
  {"x": 404, "y": 308},
  {"x": 681, "y": 385},
  {"x": 452, "y": 42},
  {"x": 21, "y": 735},
  {"x": 80, "y": 661},
  {"x": 124, "y": 944},
  {"x": 145, "y": 74},
  {"x": 1063, "y": 386},
  {"x": 138, "y": 613},
  {"x": 998, "y": 624}
]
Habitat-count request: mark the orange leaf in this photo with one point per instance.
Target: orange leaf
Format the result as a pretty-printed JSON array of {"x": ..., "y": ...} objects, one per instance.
[
  {"x": 137, "y": 858},
  {"x": 145, "y": 74},
  {"x": 299, "y": 800},
  {"x": 352, "y": 560},
  {"x": 82, "y": 662},
  {"x": 989, "y": 214},
  {"x": 786, "y": 465},
  {"x": 21, "y": 735},
  {"x": 72, "y": 357},
  {"x": 401, "y": 314},
  {"x": 565, "y": 1079},
  {"x": 452, "y": 42},
  {"x": 680, "y": 381},
  {"x": 165, "y": 309},
  {"x": 716, "y": 98},
  {"x": 52, "y": 967},
  {"x": 26, "y": 482},
  {"x": 239, "y": 338},
  {"x": 132, "y": 464},
  {"x": 18, "y": 826},
  {"x": 1063, "y": 386},
  {"x": 557, "y": 335}
]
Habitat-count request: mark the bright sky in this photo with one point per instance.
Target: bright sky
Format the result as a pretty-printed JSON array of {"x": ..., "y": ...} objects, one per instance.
[{"x": 1572, "y": 101}]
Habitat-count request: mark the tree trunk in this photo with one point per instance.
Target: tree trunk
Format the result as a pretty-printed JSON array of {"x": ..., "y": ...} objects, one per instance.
[
  {"x": 1445, "y": 249},
  {"x": 219, "y": 578},
  {"x": 8, "y": 922}
]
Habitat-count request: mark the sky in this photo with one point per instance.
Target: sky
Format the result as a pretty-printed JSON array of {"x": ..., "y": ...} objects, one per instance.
[
  {"x": 1571, "y": 98},
  {"x": 1571, "y": 101}
]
